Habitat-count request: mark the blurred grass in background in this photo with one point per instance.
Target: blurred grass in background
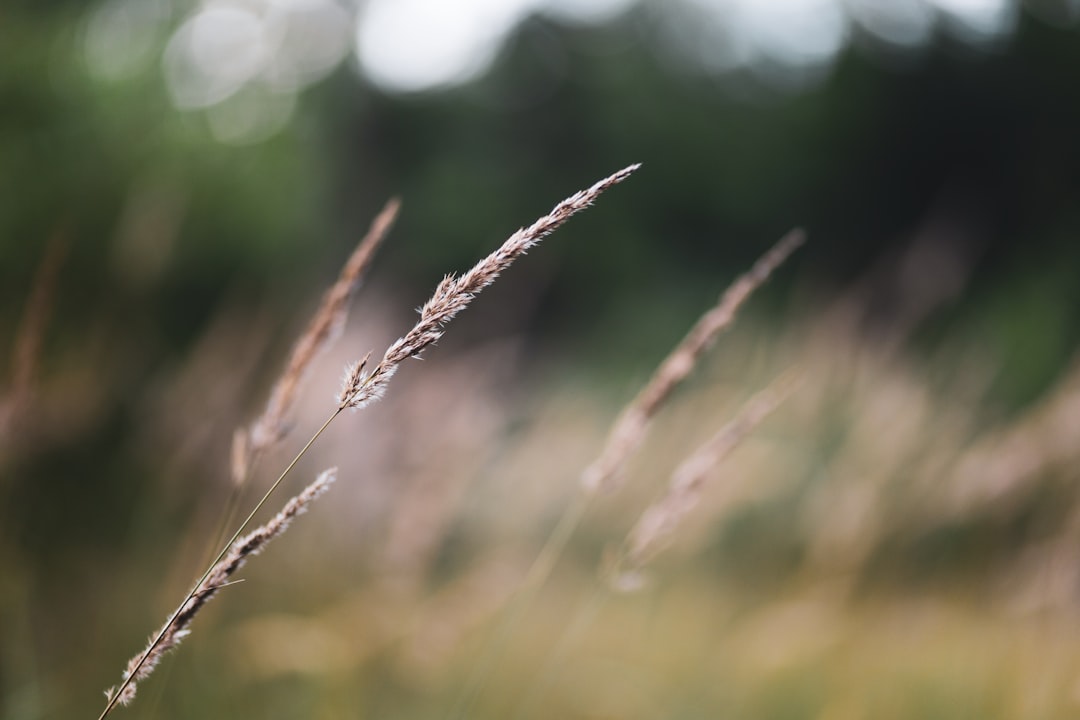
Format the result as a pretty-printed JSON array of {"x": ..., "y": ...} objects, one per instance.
[{"x": 898, "y": 541}]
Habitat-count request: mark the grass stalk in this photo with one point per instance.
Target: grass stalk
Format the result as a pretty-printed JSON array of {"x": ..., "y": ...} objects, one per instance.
[
  {"x": 624, "y": 439},
  {"x": 152, "y": 650},
  {"x": 360, "y": 388}
]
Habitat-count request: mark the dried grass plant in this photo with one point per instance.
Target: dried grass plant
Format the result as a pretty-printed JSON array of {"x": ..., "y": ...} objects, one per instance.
[
  {"x": 661, "y": 519},
  {"x": 604, "y": 475},
  {"x": 360, "y": 388},
  {"x": 177, "y": 627},
  {"x": 631, "y": 427},
  {"x": 323, "y": 329},
  {"x": 29, "y": 338}
]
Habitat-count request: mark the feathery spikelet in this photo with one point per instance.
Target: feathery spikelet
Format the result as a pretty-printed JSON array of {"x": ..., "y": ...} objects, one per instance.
[
  {"x": 451, "y": 296},
  {"x": 454, "y": 294},
  {"x": 662, "y": 518},
  {"x": 239, "y": 456},
  {"x": 324, "y": 328},
  {"x": 632, "y": 425},
  {"x": 178, "y": 627}
]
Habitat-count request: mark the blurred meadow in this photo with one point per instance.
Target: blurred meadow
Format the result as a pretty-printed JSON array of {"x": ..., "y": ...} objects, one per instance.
[{"x": 181, "y": 181}]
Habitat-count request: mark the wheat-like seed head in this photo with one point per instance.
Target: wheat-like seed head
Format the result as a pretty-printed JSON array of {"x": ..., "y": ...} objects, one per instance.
[
  {"x": 662, "y": 518},
  {"x": 322, "y": 330},
  {"x": 629, "y": 431},
  {"x": 454, "y": 294},
  {"x": 451, "y": 296},
  {"x": 244, "y": 548}
]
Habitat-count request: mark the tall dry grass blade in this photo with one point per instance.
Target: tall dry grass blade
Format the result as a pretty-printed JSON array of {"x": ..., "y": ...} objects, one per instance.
[
  {"x": 239, "y": 457},
  {"x": 322, "y": 330},
  {"x": 660, "y": 520},
  {"x": 30, "y": 335},
  {"x": 454, "y": 294},
  {"x": 656, "y": 525},
  {"x": 626, "y": 435},
  {"x": 451, "y": 296},
  {"x": 325, "y": 326},
  {"x": 240, "y": 550},
  {"x": 135, "y": 666},
  {"x": 633, "y": 423},
  {"x": 1000, "y": 467}
]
